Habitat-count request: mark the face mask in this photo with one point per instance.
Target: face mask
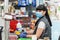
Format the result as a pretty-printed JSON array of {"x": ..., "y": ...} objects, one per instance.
[{"x": 39, "y": 14}]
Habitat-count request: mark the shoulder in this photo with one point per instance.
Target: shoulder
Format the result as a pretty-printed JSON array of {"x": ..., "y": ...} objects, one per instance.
[{"x": 41, "y": 24}]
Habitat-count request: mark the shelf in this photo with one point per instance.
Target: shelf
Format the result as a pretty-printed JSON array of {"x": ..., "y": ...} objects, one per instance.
[
  {"x": 21, "y": 15},
  {"x": 8, "y": 17}
]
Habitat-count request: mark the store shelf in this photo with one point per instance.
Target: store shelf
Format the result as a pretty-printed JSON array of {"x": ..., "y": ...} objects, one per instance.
[
  {"x": 8, "y": 17},
  {"x": 21, "y": 15}
]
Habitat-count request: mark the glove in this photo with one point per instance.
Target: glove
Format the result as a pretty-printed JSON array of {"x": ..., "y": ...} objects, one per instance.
[
  {"x": 23, "y": 35},
  {"x": 24, "y": 32}
]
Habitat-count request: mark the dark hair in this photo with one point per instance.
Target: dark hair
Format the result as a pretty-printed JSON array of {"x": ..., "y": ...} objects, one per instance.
[{"x": 42, "y": 7}]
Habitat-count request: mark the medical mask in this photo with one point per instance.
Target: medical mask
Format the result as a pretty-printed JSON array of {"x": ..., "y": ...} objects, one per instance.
[{"x": 39, "y": 14}]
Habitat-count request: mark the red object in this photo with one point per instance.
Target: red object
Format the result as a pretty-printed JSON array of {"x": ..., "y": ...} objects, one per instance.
[{"x": 13, "y": 24}]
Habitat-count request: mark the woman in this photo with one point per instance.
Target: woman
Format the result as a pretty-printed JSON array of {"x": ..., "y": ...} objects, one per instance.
[{"x": 43, "y": 24}]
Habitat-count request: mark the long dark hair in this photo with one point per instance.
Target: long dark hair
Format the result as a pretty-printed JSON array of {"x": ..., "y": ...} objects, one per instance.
[{"x": 42, "y": 7}]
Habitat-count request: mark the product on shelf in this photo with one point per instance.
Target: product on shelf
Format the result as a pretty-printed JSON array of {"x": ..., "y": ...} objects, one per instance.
[
  {"x": 11, "y": 9},
  {"x": 23, "y": 10},
  {"x": 16, "y": 6},
  {"x": 27, "y": 19},
  {"x": 17, "y": 32},
  {"x": 19, "y": 25},
  {"x": 34, "y": 3},
  {"x": 16, "y": 24},
  {"x": 32, "y": 26},
  {"x": 23, "y": 3},
  {"x": 34, "y": 16},
  {"x": 17, "y": 11},
  {"x": 13, "y": 25},
  {"x": 33, "y": 21}
]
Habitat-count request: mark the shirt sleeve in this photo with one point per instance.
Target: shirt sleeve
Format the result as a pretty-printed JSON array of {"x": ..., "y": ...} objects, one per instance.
[{"x": 41, "y": 25}]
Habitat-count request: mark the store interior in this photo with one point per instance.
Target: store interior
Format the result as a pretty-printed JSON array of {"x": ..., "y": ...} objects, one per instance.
[{"x": 17, "y": 16}]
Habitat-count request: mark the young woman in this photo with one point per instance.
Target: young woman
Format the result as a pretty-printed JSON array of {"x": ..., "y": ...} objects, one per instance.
[{"x": 43, "y": 24}]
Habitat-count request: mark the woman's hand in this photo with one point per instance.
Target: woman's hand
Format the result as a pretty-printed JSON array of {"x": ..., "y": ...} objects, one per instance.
[{"x": 23, "y": 35}]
